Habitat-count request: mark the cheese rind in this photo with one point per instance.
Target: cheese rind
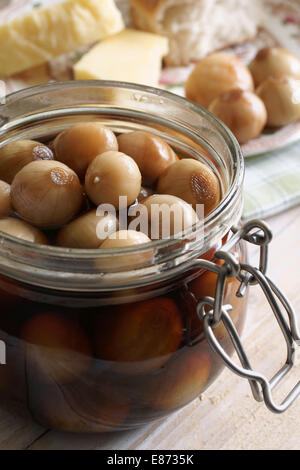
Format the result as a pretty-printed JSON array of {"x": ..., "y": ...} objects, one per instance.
[
  {"x": 130, "y": 56},
  {"x": 45, "y": 33}
]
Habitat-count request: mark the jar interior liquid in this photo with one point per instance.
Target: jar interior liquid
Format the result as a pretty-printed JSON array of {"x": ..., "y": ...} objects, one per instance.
[
  {"x": 113, "y": 367},
  {"x": 94, "y": 351}
]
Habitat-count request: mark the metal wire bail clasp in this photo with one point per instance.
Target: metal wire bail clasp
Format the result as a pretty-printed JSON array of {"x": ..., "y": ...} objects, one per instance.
[{"x": 258, "y": 233}]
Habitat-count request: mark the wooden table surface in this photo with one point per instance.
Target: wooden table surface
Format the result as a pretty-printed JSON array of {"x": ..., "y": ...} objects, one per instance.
[{"x": 226, "y": 417}]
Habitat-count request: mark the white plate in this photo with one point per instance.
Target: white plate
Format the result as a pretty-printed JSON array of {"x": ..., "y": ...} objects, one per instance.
[{"x": 281, "y": 27}]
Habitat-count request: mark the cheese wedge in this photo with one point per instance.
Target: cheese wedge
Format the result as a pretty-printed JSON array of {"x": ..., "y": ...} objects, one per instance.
[
  {"x": 45, "y": 33},
  {"x": 130, "y": 56}
]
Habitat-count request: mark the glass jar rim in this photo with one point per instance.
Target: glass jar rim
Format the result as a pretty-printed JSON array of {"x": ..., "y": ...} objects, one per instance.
[{"x": 12, "y": 244}]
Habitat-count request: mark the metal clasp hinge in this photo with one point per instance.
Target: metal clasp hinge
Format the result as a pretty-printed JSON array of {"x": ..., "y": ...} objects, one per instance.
[{"x": 258, "y": 233}]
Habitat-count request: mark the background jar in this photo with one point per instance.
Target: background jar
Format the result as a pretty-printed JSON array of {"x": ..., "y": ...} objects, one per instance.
[{"x": 68, "y": 317}]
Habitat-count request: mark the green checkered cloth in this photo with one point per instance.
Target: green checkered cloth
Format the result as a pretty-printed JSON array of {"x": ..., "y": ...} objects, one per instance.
[{"x": 272, "y": 182}]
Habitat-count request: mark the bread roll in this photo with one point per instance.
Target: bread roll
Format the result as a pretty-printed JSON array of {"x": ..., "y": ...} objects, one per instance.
[{"x": 196, "y": 28}]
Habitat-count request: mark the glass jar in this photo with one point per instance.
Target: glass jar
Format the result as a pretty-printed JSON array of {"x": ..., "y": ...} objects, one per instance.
[{"x": 101, "y": 342}]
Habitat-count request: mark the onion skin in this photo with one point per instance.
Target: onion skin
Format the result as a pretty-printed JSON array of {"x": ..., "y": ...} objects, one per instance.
[
  {"x": 139, "y": 337},
  {"x": 46, "y": 193},
  {"x": 242, "y": 111},
  {"x": 151, "y": 153},
  {"x": 281, "y": 96},
  {"x": 15, "y": 155},
  {"x": 79, "y": 145},
  {"x": 167, "y": 213},
  {"x": 193, "y": 182},
  {"x": 111, "y": 175},
  {"x": 215, "y": 74},
  {"x": 20, "y": 229},
  {"x": 124, "y": 239},
  {"x": 82, "y": 232},
  {"x": 5, "y": 200},
  {"x": 274, "y": 61}
]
